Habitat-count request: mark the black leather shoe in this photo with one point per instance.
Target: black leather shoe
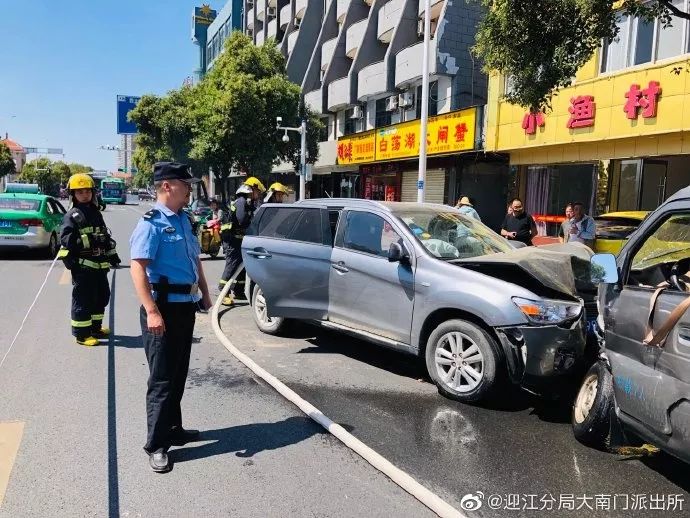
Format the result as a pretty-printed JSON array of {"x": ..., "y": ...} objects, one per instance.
[
  {"x": 180, "y": 436},
  {"x": 158, "y": 460}
]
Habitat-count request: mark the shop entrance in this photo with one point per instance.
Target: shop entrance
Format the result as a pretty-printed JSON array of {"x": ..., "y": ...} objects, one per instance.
[{"x": 642, "y": 184}]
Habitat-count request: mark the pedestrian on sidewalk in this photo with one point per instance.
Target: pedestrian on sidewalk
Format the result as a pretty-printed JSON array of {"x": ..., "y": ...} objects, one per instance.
[
  {"x": 170, "y": 283},
  {"x": 519, "y": 226},
  {"x": 582, "y": 227},
  {"x": 466, "y": 207},
  {"x": 564, "y": 229},
  {"x": 88, "y": 251}
]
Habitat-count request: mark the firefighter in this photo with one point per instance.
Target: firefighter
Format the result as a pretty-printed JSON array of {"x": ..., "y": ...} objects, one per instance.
[
  {"x": 276, "y": 193},
  {"x": 232, "y": 231},
  {"x": 88, "y": 250}
]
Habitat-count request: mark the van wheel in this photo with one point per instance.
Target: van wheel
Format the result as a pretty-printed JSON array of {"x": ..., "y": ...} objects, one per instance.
[
  {"x": 463, "y": 361},
  {"x": 266, "y": 324},
  {"x": 591, "y": 417}
]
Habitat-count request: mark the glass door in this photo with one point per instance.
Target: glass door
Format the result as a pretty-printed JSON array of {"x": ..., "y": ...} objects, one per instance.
[{"x": 653, "y": 190}]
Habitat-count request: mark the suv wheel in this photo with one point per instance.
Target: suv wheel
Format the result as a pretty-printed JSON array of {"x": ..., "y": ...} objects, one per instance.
[
  {"x": 591, "y": 417},
  {"x": 463, "y": 361},
  {"x": 266, "y": 324}
]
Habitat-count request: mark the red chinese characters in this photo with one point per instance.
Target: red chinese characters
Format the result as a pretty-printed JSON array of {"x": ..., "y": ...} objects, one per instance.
[
  {"x": 442, "y": 134},
  {"x": 410, "y": 141},
  {"x": 582, "y": 110},
  {"x": 383, "y": 145},
  {"x": 531, "y": 121},
  {"x": 345, "y": 151},
  {"x": 395, "y": 142},
  {"x": 645, "y": 99},
  {"x": 460, "y": 130}
]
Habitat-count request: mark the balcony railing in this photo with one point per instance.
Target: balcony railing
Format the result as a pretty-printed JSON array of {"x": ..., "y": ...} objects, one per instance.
[
  {"x": 300, "y": 8},
  {"x": 261, "y": 12},
  {"x": 408, "y": 63},
  {"x": 327, "y": 50},
  {"x": 292, "y": 39},
  {"x": 339, "y": 94},
  {"x": 260, "y": 38},
  {"x": 389, "y": 18},
  {"x": 314, "y": 100},
  {"x": 372, "y": 80},
  {"x": 342, "y": 7},
  {"x": 285, "y": 15},
  {"x": 250, "y": 18},
  {"x": 354, "y": 37},
  {"x": 436, "y": 6},
  {"x": 273, "y": 28}
]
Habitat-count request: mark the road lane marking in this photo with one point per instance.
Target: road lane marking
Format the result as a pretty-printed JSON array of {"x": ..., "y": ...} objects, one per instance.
[
  {"x": 65, "y": 278},
  {"x": 10, "y": 438}
]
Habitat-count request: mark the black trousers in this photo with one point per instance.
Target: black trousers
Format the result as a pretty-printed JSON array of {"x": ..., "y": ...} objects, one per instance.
[
  {"x": 232, "y": 249},
  {"x": 168, "y": 359},
  {"x": 90, "y": 296}
]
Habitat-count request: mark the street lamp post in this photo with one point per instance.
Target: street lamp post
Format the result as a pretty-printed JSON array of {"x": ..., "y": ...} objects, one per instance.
[
  {"x": 421, "y": 180},
  {"x": 302, "y": 130}
]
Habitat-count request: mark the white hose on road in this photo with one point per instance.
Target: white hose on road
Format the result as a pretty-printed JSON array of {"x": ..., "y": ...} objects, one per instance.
[
  {"x": 28, "y": 312},
  {"x": 405, "y": 481}
]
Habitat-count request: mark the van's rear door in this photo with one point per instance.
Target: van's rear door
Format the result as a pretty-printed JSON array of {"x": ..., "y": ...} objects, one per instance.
[{"x": 288, "y": 254}]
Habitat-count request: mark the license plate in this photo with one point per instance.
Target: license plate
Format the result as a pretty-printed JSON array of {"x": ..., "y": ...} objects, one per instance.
[
  {"x": 5, "y": 224},
  {"x": 12, "y": 238}
]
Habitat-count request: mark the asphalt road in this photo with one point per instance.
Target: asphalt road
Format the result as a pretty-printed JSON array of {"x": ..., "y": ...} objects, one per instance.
[
  {"x": 72, "y": 420},
  {"x": 521, "y": 447}
]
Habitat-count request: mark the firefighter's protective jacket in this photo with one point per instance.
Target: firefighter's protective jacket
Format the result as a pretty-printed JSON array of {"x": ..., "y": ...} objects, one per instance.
[{"x": 85, "y": 240}]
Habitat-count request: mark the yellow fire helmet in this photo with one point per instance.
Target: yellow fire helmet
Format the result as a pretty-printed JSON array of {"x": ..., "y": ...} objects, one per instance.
[
  {"x": 80, "y": 181},
  {"x": 252, "y": 181},
  {"x": 278, "y": 187}
]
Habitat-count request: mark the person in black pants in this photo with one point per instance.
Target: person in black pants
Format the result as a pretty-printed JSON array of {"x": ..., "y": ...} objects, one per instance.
[{"x": 171, "y": 286}]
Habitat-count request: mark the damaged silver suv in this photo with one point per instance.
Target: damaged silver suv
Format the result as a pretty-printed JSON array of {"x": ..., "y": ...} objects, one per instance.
[{"x": 425, "y": 280}]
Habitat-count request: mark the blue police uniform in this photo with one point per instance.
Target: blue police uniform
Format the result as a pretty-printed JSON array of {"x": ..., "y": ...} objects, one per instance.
[{"x": 166, "y": 240}]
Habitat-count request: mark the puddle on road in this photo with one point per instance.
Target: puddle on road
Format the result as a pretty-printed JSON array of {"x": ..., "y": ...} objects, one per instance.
[{"x": 219, "y": 376}]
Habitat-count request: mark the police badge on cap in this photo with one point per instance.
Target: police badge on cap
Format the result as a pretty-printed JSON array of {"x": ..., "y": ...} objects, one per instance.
[{"x": 173, "y": 171}]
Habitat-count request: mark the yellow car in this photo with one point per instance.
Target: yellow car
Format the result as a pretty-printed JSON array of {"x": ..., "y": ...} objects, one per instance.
[{"x": 614, "y": 228}]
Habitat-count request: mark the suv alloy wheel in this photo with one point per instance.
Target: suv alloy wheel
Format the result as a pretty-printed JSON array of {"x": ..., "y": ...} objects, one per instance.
[{"x": 266, "y": 324}]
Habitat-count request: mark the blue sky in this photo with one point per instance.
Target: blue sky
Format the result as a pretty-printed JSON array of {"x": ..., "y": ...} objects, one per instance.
[{"x": 62, "y": 63}]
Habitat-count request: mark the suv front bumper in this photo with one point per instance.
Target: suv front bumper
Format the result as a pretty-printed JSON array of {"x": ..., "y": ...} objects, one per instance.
[{"x": 539, "y": 356}]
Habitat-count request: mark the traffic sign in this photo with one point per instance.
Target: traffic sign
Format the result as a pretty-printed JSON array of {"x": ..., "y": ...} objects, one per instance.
[
  {"x": 420, "y": 184},
  {"x": 125, "y": 104}
]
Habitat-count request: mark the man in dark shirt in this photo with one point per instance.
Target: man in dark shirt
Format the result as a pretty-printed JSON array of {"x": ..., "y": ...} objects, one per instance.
[{"x": 519, "y": 226}]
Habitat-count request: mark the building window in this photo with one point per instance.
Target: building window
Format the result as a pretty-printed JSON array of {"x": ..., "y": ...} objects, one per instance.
[
  {"x": 640, "y": 42},
  {"x": 323, "y": 133},
  {"x": 383, "y": 116},
  {"x": 433, "y": 99}
]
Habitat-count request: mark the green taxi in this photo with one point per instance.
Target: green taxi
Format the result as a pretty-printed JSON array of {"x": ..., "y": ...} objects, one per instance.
[{"x": 30, "y": 221}]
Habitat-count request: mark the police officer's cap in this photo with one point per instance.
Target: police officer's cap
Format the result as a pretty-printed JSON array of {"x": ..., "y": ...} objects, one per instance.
[{"x": 173, "y": 171}]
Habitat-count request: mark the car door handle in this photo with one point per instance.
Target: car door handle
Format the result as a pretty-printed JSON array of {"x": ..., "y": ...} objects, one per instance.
[
  {"x": 259, "y": 253},
  {"x": 340, "y": 267}
]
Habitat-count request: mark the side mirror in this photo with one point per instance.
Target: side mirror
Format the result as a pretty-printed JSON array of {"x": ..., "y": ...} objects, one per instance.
[
  {"x": 396, "y": 253},
  {"x": 604, "y": 269}
]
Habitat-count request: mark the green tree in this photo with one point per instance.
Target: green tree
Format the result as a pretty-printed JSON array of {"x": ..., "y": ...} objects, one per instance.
[
  {"x": 541, "y": 44},
  {"x": 39, "y": 171},
  {"x": 62, "y": 171},
  {"x": 79, "y": 169},
  {"x": 6, "y": 162}
]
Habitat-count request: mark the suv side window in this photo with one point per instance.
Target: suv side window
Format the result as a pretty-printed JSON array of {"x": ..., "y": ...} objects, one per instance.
[
  {"x": 278, "y": 222},
  {"x": 368, "y": 233},
  {"x": 308, "y": 227}
]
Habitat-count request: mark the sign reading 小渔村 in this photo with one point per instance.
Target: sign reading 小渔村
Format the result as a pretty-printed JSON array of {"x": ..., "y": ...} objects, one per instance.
[
  {"x": 446, "y": 133},
  {"x": 125, "y": 104}
]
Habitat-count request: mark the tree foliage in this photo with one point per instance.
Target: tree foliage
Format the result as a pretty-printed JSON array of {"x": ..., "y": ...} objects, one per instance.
[
  {"x": 541, "y": 44},
  {"x": 6, "y": 162},
  {"x": 48, "y": 174},
  {"x": 228, "y": 120}
]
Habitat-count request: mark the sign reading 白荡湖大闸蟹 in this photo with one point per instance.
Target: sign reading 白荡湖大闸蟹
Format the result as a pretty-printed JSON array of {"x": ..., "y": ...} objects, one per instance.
[
  {"x": 125, "y": 104},
  {"x": 446, "y": 133}
]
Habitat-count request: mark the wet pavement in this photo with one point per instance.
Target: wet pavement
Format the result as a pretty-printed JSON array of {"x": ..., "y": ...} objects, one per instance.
[{"x": 517, "y": 456}]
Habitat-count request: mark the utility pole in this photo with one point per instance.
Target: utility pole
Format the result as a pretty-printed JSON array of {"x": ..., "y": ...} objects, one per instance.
[
  {"x": 421, "y": 187},
  {"x": 302, "y": 130}
]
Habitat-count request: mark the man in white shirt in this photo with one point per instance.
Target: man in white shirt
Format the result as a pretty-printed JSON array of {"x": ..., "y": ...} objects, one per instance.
[{"x": 582, "y": 227}]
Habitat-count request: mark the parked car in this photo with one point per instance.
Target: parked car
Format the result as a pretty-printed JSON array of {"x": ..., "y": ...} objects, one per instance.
[
  {"x": 425, "y": 280},
  {"x": 642, "y": 382},
  {"x": 614, "y": 228},
  {"x": 145, "y": 195},
  {"x": 30, "y": 221}
]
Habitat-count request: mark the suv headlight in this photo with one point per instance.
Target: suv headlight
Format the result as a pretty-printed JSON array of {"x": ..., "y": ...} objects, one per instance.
[{"x": 548, "y": 311}]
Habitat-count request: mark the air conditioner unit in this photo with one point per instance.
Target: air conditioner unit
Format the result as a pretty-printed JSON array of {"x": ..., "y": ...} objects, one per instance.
[
  {"x": 392, "y": 103},
  {"x": 406, "y": 99},
  {"x": 297, "y": 22},
  {"x": 272, "y": 11},
  {"x": 357, "y": 113}
]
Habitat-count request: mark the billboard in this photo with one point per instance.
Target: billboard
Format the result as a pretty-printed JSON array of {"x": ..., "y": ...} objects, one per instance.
[{"x": 125, "y": 104}]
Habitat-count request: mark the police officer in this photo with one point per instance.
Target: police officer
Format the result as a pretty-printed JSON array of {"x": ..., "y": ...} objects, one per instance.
[
  {"x": 171, "y": 286},
  {"x": 88, "y": 250},
  {"x": 233, "y": 230}
]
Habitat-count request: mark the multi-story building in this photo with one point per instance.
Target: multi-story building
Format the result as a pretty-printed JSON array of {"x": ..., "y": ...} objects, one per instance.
[
  {"x": 618, "y": 139},
  {"x": 229, "y": 18},
  {"x": 359, "y": 63}
]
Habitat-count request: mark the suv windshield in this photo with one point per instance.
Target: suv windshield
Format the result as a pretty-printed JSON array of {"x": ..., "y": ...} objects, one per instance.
[{"x": 450, "y": 235}]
